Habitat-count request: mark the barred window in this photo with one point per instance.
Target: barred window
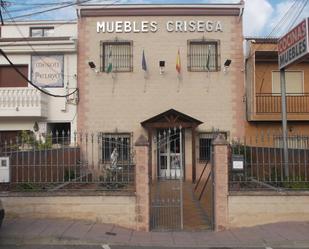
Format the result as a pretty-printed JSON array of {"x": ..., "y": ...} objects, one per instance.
[
  {"x": 203, "y": 56},
  {"x": 120, "y": 142},
  {"x": 116, "y": 56},
  {"x": 205, "y": 142}
]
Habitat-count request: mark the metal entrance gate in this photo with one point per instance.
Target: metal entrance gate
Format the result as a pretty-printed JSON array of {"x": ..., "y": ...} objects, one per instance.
[{"x": 166, "y": 192}]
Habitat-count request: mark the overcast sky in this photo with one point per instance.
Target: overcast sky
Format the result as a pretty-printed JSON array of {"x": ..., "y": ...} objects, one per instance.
[{"x": 260, "y": 16}]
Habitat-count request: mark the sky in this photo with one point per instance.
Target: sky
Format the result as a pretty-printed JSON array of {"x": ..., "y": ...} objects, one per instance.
[{"x": 261, "y": 17}]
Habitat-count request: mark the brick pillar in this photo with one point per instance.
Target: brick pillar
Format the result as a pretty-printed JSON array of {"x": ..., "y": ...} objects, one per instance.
[
  {"x": 220, "y": 173},
  {"x": 142, "y": 185}
]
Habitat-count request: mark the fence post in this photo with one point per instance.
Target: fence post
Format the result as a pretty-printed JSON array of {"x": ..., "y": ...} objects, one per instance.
[
  {"x": 142, "y": 184},
  {"x": 220, "y": 182}
]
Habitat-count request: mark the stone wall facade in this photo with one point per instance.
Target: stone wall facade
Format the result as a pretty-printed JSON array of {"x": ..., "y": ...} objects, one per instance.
[
  {"x": 247, "y": 210},
  {"x": 118, "y": 210}
]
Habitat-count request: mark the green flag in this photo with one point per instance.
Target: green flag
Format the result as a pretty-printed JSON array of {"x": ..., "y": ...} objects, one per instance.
[
  {"x": 208, "y": 59},
  {"x": 110, "y": 63}
]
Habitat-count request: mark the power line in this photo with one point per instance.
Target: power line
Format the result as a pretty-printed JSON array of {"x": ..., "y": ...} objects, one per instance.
[
  {"x": 294, "y": 18},
  {"x": 40, "y": 4},
  {"x": 52, "y": 9},
  {"x": 29, "y": 44},
  {"x": 31, "y": 83},
  {"x": 32, "y": 48},
  {"x": 297, "y": 16},
  {"x": 279, "y": 25}
]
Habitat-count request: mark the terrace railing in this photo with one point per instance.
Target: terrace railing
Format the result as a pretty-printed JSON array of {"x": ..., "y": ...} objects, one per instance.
[{"x": 270, "y": 103}]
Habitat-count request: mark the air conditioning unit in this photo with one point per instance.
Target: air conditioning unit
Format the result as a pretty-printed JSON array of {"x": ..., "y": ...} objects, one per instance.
[{"x": 4, "y": 169}]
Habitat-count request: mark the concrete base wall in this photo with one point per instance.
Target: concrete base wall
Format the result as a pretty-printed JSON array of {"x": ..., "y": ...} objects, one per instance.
[
  {"x": 119, "y": 210},
  {"x": 245, "y": 210}
]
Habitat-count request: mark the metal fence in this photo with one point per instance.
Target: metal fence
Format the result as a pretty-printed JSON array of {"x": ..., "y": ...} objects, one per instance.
[
  {"x": 65, "y": 161},
  {"x": 258, "y": 163}
]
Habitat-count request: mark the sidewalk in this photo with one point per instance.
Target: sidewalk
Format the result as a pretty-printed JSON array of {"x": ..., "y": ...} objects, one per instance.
[{"x": 56, "y": 231}]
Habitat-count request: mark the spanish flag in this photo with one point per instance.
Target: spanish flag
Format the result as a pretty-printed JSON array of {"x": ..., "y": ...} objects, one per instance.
[{"x": 178, "y": 64}]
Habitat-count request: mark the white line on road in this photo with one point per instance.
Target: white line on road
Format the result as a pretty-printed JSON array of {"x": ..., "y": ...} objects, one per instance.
[
  {"x": 105, "y": 246},
  {"x": 268, "y": 247}
]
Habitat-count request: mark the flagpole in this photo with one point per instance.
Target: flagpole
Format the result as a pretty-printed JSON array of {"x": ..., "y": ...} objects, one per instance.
[
  {"x": 144, "y": 68},
  {"x": 178, "y": 69}
]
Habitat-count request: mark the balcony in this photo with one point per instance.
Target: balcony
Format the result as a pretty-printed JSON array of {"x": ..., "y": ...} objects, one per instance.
[
  {"x": 22, "y": 102},
  {"x": 268, "y": 107}
]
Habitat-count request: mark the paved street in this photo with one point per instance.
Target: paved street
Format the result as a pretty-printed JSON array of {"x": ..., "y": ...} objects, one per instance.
[
  {"x": 42, "y": 232},
  {"x": 125, "y": 247}
]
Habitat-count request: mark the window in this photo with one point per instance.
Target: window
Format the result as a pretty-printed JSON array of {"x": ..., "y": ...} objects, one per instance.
[
  {"x": 294, "y": 82},
  {"x": 116, "y": 56},
  {"x": 41, "y": 31},
  {"x": 205, "y": 147},
  {"x": 110, "y": 141},
  {"x": 205, "y": 142},
  {"x": 60, "y": 132},
  {"x": 203, "y": 56},
  {"x": 10, "y": 78}
]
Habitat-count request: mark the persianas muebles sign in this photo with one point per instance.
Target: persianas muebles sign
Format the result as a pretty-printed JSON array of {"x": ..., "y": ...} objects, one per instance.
[
  {"x": 47, "y": 70},
  {"x": 294, "y": 45}
]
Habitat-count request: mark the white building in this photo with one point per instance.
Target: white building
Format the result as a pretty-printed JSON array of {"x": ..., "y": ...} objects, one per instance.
[{"x": 46, "y": 53}]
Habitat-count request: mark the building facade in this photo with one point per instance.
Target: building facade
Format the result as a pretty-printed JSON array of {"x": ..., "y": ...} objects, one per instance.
[
  {"x": 146, "y": 69},
  {"x": 264, "y": 96},
  {"x": 46, "y": 53}
]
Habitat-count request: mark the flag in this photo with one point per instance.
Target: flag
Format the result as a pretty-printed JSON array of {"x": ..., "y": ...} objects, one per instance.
[
  {"x": 144, "y": 64},
  {"x": 208, "y": 59},
  {"x": 110, "y": 63},
  {"x": 178, "y": 64}
]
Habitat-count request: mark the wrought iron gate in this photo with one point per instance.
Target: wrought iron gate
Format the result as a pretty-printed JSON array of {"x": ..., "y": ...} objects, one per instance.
[{"x": 166, "y": 192}]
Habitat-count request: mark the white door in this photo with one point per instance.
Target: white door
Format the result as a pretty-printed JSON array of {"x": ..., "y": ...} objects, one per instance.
[{"x": 169, "y": 154}]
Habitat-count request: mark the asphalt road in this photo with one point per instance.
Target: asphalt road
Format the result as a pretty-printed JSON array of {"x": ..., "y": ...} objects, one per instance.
[{"x": 116, "y": 247}]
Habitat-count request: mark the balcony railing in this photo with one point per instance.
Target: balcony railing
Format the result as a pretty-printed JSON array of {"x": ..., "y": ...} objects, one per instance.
[
  {"x": 22, "y": 102},
  {"x": 270, "y": 103}
]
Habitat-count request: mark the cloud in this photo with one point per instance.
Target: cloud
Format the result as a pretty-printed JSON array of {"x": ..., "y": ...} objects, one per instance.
[
  {"x": 260, "y": 16},
  {"x": 286, "y": 21},
  {"x": 256, "y": 16}
]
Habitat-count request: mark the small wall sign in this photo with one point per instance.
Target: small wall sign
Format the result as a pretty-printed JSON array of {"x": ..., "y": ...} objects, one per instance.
[
  {"x": 47, "y": 70},
  {"x": 238, "y": 162}
]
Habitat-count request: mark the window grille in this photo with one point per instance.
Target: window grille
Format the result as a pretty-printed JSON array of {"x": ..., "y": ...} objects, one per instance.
[
  {"x": 203, "y": 56},
  {"x": 110, "y": 141},
  {"x": 117, "y": 53},
  {"x": 205, "y": 143}
]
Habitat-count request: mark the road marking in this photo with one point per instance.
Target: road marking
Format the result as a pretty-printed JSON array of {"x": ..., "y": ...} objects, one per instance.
[
  {"x": 268, "y": 247},
  {"x": 105, "y": 246}
]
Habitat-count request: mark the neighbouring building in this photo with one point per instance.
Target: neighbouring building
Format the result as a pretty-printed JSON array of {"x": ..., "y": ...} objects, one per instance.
[
  {"x": 46, "y": 53},
  {"x": 146, "y": 69},
  {"x": 264, "y": 97}
]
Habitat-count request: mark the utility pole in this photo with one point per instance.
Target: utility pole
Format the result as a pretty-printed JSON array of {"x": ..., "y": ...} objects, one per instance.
[{"x": 284, "y": 123}]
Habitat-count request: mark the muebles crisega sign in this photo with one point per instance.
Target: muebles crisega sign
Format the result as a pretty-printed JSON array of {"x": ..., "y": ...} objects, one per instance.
[
  {"x": 153, "y": 26},
  {"x": 294, "y": 45}
]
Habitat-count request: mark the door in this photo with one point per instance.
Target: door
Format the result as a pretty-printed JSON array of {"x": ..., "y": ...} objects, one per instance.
[
  {"x": 167, "y": 191},
  {"x": 169, "y": 154}
]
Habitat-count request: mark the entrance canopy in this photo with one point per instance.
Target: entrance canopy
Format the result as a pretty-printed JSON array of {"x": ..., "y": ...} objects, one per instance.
[{"x": 170, "y": 119}]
